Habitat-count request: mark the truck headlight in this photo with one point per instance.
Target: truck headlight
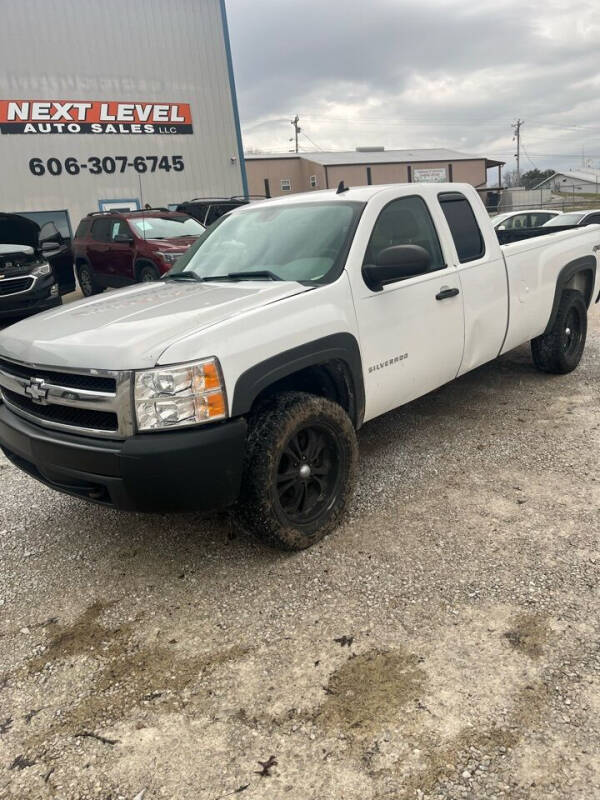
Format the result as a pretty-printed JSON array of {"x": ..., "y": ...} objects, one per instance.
[
  {"x": 41, "y": 270},
  {"x": 172, "y": 397}
]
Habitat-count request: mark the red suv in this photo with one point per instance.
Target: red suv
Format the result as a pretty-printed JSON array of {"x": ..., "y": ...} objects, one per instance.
[{"x": 114, "y": 248}]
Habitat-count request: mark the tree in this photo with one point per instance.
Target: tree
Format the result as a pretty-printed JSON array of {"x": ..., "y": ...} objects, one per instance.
[{"x": 533, "y": 177}]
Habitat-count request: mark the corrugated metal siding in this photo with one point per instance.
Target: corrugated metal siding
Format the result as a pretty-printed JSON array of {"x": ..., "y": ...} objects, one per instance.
[{"x": 138, "y": 50}]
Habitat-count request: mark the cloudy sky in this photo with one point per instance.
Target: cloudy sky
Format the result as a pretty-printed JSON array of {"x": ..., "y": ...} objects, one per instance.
[{"x": 426, "y": 73}]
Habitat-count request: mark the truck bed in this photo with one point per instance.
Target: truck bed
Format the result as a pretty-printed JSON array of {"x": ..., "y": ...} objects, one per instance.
[{"x": 534, "y": 265}]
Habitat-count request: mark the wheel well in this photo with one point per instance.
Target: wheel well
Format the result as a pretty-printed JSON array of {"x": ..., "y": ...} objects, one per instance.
[
  {"x": 579, "y": 275},
  {"x": 331, "y": 380},
  {"x": 80, "y": 261},
  {"x": 582, "y": 281}
]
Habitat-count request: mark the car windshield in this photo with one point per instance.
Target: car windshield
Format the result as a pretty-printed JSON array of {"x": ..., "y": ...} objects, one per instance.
[
  {"x": 299, "y": 242},
  {"x": 166, "y": 227},
  {"x": 564, "y": 219}
]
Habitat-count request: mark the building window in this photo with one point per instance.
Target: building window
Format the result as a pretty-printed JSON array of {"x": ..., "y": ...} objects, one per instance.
[
  {"x": 286, "y": 184},
  {"x": 313, "y": 181}
]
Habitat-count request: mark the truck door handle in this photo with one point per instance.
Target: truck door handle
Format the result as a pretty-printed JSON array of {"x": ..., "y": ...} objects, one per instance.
[{"x": 445, "y": 292}]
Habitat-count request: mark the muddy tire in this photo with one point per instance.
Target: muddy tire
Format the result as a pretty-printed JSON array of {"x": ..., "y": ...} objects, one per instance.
[
  {"x": 299, "y": 471},
  {"x": 559, "y": 351},
  {"x": 87, "y": 280}
]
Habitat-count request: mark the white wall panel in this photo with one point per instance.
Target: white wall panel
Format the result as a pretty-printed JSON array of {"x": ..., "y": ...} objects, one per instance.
[{"x": 162, "y": 51}]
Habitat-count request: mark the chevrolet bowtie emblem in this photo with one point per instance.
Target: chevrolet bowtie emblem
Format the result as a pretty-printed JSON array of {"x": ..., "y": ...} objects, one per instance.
[{"x": 37, "y": 390}]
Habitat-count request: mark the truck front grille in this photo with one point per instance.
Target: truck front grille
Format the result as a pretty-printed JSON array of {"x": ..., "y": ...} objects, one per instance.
[
  {"x": 15, "y": 285},
  {"x": 66, "y": 415},
  {"x": 95, "y": 403},
  {"x": 94, "y": 383}
]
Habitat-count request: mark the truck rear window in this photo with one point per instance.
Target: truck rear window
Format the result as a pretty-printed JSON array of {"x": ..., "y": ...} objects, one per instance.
[{"x": 463, "y": 226}]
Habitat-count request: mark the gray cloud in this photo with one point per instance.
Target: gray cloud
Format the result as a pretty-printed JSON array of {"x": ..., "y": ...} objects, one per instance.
[{"x": 436, "y": 73}]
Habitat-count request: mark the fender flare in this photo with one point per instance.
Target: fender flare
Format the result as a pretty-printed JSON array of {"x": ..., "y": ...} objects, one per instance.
[
  {"x": 586, "y": 265},
  {"x": 340, "y": 347}
]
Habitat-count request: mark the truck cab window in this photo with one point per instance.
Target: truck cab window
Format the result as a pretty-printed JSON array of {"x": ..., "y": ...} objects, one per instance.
[
  {"x": 405, "y": 221},
  {"x": 463, "y": 226}
]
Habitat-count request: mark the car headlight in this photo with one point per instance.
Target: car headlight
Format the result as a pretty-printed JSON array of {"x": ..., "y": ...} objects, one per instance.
[
  {"x": 172, "y": 397},
  {"x": 41, "y": 270},
  {"x": 170, "y": 258}
]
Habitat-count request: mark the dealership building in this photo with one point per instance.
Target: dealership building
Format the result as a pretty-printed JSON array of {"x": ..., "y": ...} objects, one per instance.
[
  {"x": 116, "y": 105},
  {"x": 281, "y": 174}
]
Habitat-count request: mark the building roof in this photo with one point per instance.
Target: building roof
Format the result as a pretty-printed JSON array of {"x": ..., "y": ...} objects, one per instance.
[
  {"x": 362, "y": 194},
  {"x": 344, "y": 157},
  {"x": 589, "y": 175}
]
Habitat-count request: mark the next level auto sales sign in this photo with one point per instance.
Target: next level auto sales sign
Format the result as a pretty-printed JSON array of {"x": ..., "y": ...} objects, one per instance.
[{"x": 93, "y": 116}]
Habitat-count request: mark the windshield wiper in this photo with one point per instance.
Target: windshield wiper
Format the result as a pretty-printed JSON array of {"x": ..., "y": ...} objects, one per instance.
[{"x": 231, "y": 276}]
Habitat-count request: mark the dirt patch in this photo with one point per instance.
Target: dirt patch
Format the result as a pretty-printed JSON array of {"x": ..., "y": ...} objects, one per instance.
[
  {"x": 84, "y": 636},
  {"x": 119, "y": 675},
  {"x": 442, "y": 763},
  {"x": 528, "y": 634},
  {"x": 370, "y": 690}
]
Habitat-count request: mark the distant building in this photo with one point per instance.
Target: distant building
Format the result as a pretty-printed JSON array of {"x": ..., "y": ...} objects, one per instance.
[
  {"x": 284, "y": 173},
  {"x": 575, "y": 181}
]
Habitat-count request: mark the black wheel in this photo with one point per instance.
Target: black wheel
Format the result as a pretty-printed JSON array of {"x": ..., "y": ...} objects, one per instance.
[
  {"x": 87, "y": 280},
  {"x": 559, "y": 351},
  {"x": 147, "y": 273},
  {"x": 299, "y": 471}
]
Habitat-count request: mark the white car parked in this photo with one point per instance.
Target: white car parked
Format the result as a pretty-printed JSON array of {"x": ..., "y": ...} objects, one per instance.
[{"x": 531, "y": 218}]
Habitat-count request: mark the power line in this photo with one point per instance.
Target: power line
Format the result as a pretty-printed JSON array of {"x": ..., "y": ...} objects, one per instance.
[
  {"x": 314, "y": 144},
  {"x": 527, "y": 154}
]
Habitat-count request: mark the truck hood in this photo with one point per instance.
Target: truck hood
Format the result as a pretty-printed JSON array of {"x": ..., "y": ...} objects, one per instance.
[
  {"x": 18, "y": 230},
  {"x": 130, "y": 328}
]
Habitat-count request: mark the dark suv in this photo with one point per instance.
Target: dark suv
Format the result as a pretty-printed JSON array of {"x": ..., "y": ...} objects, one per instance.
[
  {"x": 36, "y": 265},
  {"x": 113, "y": 248},
  {"x": 208, "y": 209}
]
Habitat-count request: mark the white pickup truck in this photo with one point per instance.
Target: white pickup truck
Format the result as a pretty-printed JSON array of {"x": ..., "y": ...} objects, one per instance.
[{"x": 241, "y": 378}]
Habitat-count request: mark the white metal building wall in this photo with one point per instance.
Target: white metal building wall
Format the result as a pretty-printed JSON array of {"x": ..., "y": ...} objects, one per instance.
[{"x": 160, "y": 51}]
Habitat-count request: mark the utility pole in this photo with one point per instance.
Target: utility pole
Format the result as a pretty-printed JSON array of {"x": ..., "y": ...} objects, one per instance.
[
  {"x": 297, "y": 129},
  {"x": 517, "y": 129}
]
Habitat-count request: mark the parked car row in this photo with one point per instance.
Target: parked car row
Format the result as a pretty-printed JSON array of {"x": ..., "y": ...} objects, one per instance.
[
  {"x": 39, "y": 261},
  {"x": 544, "y": 217}
]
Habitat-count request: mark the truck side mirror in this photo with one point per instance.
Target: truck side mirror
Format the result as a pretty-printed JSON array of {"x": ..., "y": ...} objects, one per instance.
[
  {"x": 396, "y": 264},
  {"x": 123, "y": 238}
]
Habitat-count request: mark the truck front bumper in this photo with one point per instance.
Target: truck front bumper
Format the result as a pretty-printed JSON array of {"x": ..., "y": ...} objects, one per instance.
[{"x": 196, "y": 469}]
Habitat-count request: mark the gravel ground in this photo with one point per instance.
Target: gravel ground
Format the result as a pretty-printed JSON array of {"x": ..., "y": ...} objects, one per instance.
[{"x": 444, "y": 643}]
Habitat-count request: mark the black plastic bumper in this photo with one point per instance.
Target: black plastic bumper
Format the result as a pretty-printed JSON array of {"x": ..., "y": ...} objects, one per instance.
[
  {"x": 187, "y": 470},
  {"x": 31, "y": 302}
]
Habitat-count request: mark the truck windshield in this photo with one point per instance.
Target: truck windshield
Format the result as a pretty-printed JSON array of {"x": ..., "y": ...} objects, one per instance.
[
  {"x": 299, "y": 242},
  {"x": 166, "y": 227}
]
